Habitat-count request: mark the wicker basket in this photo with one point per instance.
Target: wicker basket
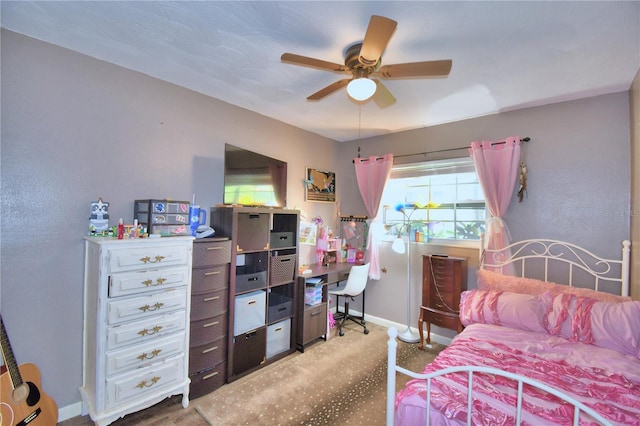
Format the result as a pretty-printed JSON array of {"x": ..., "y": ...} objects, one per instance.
[{"x": 282, "y": 269}]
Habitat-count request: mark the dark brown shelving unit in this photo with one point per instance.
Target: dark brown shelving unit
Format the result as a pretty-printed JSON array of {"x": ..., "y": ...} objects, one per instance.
[{"x": 262, "y": 284}]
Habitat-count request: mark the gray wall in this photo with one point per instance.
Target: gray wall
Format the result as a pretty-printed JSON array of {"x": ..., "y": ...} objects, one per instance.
[
  {"x": 75, "y": 128},
  {"x": 578, "y": 182}
]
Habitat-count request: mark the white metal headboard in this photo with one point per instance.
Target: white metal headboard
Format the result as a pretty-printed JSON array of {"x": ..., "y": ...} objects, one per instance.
[{"x": 569, "y": 258}]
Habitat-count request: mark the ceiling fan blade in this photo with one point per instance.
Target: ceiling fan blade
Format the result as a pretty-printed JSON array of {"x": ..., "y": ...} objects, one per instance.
[
  {"x": 376, "y": 39},
  {"x": 305, "y": 61},
  {"x": 416, "y": 69},
  {"x": 329, "y": 89},
  {"x": 383, "y": 97}
]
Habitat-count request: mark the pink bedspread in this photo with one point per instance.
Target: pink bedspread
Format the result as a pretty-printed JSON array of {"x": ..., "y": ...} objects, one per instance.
[{"x": 603, "y": 379}]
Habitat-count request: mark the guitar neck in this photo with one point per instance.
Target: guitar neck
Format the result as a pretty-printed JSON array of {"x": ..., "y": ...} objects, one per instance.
[{"x": 9, "y": 359}]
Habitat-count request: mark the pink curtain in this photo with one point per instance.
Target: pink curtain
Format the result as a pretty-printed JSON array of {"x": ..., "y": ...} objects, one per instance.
[
  {"x": 372, "y": 174},
  {"x": 497, "y": 169}
]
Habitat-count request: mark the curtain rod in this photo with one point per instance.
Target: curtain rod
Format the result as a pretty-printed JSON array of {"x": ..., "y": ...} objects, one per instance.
[{"x": 525, "y": 139}]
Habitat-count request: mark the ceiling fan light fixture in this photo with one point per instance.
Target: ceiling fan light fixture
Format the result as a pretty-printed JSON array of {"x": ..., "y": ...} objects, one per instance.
[{"x": 361, "y": 89}]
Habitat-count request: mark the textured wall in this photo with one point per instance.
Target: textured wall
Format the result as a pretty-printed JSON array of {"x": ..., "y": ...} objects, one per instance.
[
  {"x": 634, "y": 212},
  {"x": 578, "y": 185},
  {"x": 75, "y": 129}
]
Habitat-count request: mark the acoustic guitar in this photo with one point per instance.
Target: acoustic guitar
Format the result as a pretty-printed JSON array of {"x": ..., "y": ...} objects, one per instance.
[{"x": 22, "y": 402}]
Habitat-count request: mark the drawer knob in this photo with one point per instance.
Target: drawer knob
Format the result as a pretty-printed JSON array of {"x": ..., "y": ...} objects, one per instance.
[
  {"x": 214, "y": 248},
  {"x": 159, "y": 281},
  {"x": 148, "y": 384},
  {"x": 155, "y": 307},
  {"x": 154, "y": 353},
  {"x": 148, "y": 259},
  {"x": 208, "y": 376},
  {"x": 206, "y": 274},
  {"x": 206, "y": 351},
  {"x": 209, "y": 299},
  {"x": 147, "y": 332}
]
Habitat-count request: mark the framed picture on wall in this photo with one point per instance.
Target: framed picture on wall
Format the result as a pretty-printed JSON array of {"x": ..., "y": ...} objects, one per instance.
[{"x": 320, "y": 186}]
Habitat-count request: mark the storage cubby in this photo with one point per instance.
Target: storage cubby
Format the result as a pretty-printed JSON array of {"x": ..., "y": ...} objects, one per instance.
[
  {"x": 253, "y": 232},
  {"x": 251, "y": 271},
  {"x": 249, "y": 350},
  {"x": 278, "y": 338},
  {"x": 280, "y": 302},
  {"x": 249, "y": 311},
  {"x": 262, "y": 279},
  {"x": 282, "y": 268}
]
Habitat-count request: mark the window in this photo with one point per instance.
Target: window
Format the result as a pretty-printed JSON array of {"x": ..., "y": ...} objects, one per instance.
[{"x": 443, "y": 200}]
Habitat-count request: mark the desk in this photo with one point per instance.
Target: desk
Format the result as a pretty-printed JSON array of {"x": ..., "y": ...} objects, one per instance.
[{"x": 312, "y": 320}]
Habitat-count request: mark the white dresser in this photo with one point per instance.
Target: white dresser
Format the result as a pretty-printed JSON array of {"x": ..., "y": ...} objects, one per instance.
[{"x": 136, "y": 324}]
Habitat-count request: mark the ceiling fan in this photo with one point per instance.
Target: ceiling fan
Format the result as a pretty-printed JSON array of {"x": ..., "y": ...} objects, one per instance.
[{"x": 363, "y": 61}]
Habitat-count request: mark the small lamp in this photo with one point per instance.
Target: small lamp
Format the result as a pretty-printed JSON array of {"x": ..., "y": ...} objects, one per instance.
[{"x": 398, "y": 245}]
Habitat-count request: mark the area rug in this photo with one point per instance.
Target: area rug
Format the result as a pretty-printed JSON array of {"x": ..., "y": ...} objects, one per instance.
[{"x": 340, "y": 381}]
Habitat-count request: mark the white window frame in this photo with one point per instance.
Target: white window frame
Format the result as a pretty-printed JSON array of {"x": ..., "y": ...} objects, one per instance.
[{"x": 428, "y": 168}]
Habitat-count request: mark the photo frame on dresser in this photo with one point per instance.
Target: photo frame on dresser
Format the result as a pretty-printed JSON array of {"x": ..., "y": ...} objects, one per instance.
[{"x": 320, "y": 186}]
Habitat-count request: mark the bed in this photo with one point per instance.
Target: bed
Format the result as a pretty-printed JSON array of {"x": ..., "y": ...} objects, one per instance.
[{"x": 551, "y": 337}]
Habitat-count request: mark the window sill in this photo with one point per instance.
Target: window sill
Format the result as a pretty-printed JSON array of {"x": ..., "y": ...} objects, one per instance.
[{"x": 466, "y": 244}]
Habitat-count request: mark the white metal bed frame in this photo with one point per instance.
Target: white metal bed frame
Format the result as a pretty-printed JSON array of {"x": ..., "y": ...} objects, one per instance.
[
  {"x": 571, "y": 256},
  {"x": 566, "y": 254},
  {"x": 392, "y": 368}
]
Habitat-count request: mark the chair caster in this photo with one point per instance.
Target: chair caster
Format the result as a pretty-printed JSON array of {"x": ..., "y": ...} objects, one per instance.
[
  {"x": 366, "y": 331},
  {"x": 341, "y": 333}
]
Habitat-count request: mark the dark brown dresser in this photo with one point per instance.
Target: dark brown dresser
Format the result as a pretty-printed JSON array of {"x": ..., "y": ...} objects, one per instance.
[
  {"x": 443, "y": 279},
  {"x": 209, "y": 315}
]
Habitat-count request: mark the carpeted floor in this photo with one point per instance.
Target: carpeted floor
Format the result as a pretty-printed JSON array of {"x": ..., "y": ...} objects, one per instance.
[{"x": 340, "y": 381}]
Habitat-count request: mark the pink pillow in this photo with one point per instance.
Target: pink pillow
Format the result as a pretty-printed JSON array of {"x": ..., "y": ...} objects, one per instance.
[
  {"x": 489, "y": 280},
  {"x": 522, "y": 311},
  {"x": 612, "y": 325}
]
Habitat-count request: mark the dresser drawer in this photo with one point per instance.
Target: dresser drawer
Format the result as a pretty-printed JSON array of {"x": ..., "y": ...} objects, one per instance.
[
  {"x": 208, "y": 279},
  {"x": 208, "y": 355},
  {"x": 334, "y": 277},
  {"x": 207, "y": 305},
  {"x": 126, "y": 309},
  {"x": 446, "y": 303},
  {"x": 132, "y": 259},
  {"x": 210, "y": 253},
  {"x": 315, "y": 322},
  {"x": 449, "y": 321},
  {"x": 140, "y": 355},
  {"x": 207, "y": 381},
  {"x": 442, "y": 285},
  {"x": 145, "y": 330},
  {"x": 128, "y": 387},
  {"x": 124, "y": 284},
  {"x": 208, "y": 329}
]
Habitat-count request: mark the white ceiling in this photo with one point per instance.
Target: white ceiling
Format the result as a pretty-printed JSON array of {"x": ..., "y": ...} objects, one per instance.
[{"x": 506, "y": 55}]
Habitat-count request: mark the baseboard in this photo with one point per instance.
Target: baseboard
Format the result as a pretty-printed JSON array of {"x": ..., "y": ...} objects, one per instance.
[
  {"x": 70, "y": 411},
  {"x": 443, "y": 340}
]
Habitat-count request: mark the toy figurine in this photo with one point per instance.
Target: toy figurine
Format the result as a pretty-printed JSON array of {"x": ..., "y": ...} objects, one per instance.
[{"x": 99, "y": 219}]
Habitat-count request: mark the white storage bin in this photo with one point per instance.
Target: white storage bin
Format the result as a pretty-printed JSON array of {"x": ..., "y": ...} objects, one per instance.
[
  {"x": 278, "y": 337},
  {"x": 250, "y": 311}
]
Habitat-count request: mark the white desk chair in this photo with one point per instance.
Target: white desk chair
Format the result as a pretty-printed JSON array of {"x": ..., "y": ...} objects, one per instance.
[{"x": 355, "y": 285}]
